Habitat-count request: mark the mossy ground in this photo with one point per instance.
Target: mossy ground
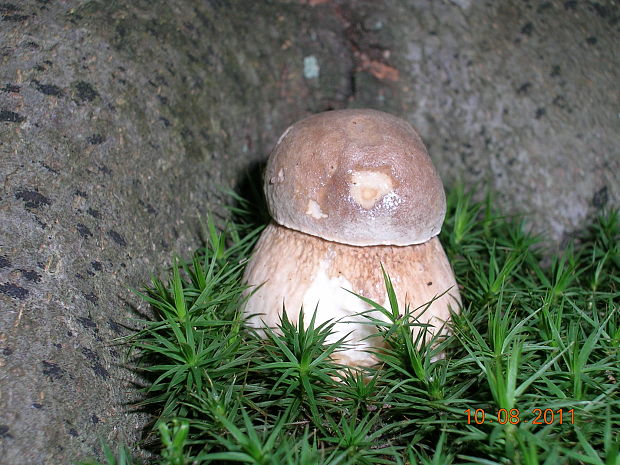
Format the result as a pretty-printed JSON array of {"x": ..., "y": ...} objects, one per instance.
[{"x": 530, "y": 374}]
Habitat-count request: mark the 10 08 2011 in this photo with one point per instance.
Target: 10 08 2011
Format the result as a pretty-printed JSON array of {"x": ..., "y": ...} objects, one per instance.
[{"x": 537, "y": 416}]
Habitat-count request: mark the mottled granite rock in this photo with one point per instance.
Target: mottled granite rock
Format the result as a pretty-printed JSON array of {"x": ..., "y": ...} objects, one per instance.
[
  {"x": 118, "y": 123},
  {"x": 519, "y": 95}
]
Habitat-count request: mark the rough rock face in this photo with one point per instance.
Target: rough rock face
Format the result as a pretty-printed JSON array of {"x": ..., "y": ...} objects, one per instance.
[
  {"x": 118, "y": 123},
  {"x": 120, "y": 120},
  {"x": 522, "y": 96}
]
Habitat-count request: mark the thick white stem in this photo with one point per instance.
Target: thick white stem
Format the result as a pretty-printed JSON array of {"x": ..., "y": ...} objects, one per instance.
[{"x": 295, "y": 269}]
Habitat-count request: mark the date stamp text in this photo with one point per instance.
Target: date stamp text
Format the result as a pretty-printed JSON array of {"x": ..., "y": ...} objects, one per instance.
[{"x": 537, "y": 416}]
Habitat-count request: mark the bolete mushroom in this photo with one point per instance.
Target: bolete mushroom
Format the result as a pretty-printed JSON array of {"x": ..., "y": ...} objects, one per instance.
[{"x": 350, "y": 190}]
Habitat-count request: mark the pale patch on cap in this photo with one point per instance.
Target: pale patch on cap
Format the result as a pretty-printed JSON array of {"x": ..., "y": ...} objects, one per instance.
[
  {"x": 368, "y": 187},
  {"x": 314, "y": 210}
]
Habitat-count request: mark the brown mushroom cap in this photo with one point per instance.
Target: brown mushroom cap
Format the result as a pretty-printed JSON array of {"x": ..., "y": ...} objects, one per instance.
[{"x": 359, "y": 177}]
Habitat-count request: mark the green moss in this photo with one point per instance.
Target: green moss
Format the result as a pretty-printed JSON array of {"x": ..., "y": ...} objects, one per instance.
[{"x": 531, "y": 344}]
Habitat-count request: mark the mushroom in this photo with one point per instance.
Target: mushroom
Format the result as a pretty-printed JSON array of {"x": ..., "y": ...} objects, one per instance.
[{"x": 349, "y": 191}]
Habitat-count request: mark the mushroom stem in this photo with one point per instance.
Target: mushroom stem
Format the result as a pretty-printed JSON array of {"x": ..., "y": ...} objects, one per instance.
[{"x": 298, "y": 270}]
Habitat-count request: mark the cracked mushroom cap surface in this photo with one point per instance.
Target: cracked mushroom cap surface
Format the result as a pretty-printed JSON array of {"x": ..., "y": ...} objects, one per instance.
[{"x": 358, "y": 177}]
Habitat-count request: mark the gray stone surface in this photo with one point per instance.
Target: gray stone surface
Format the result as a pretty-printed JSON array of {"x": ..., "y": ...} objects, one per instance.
[
  {"x": 120, "y": 120},
  {"x": 522, "y": 96}
]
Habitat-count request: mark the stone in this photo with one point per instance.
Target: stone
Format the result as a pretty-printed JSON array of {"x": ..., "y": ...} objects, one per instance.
[
  {"x": 119, "y": 123},
  {"x": 519, "y": 96}
]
